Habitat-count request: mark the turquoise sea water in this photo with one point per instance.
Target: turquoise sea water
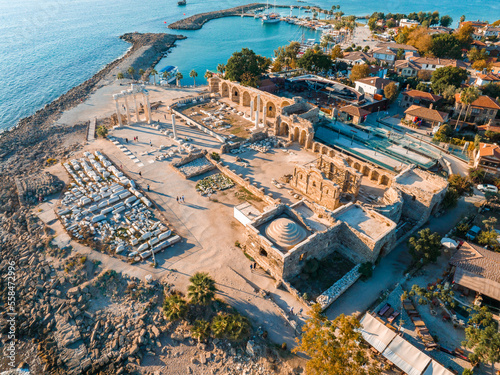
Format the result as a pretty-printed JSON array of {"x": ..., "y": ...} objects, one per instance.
[{"x": 49, "y": 46}]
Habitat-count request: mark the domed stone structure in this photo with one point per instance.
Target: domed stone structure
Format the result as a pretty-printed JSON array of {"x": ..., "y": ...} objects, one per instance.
[{"x": 285, "y": 232}]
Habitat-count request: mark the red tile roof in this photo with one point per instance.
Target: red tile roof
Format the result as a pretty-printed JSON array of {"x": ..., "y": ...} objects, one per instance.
[
  {"x": 354, "y": 111},
  {"x": 489, "y": 150},
  {"x": 426, "y": 113},
  {"x": 423, "y": 95},
  {"x": 478, "y": 260},
  {"x": 482, "y": 102}
]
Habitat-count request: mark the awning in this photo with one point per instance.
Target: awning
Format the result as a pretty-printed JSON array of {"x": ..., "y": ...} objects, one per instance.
[
  {"x": 376, "y": 333},
  {"x": 449, "y": 243},
  {"x": 406, "y": 357}
]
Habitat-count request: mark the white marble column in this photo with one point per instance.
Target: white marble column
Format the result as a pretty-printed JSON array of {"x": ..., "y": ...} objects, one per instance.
[
  {"x": 148, "y": 107},
  {"x": 257, "y": 112},
  {"x": 128, "y": 111},
  {"x": 264, "y": 112},
  {"x": 118, "y": 114},
  {"x": 251, "y": 110},
  {"x": 173, "y": 126},
  {"x": 136, "y": 110}
]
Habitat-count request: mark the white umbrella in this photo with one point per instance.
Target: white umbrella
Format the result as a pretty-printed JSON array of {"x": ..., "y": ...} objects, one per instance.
[{"x": 449, "y": 243}]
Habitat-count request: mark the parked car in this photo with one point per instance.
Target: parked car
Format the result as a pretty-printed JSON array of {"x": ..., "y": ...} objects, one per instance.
[
  {"x": 488, "y": 188},
  {"x": 473, "y": 232}
]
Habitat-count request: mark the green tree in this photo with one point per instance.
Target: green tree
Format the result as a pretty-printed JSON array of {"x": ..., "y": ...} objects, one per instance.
[
  {"x": 446, "y": 21},
  {"x": 167, "y": 75},
  {"x": 221, "y": 68},
  {"x": 391, "y": 92},
  {"x": 449, "y": 75},
  {"x": 246, "y": 61},
  {"x": 477, "y": 175},
  {"x": 131, "y": 72},
  {"x": 336, "y": 53},
  {"x": 333, "y": 347},
  {"x": 482, "y": 337},
  {"x": 446, "y": 46},
  {"x": 359, "y": 71},
  {"x": 464, "y": 35},
  {"x": 467, "y": 97},
  {"x": 120, "y": 75},
  {"x": 476, "y": 54},
  {"x": 154, "y": 73},
  {"x": 208, "y": 74},
  {"x": 314, "y": 61},
  {"x": 232, "y": 326},
  {"x": 178, "y": 77},
  {"x": 488, "y": 238},
  {"x": 461, "y": 184},
  {"x": 193, "y": 74},
  {"x": 462, "y": 18},
  {"x": 426, "y": 247},
  {"x": 202, "y": 288},
  {"x": 141, "y": 72},
  {"x": 450, "y": 198},
  {"x": 174, "y": 307},
  {"x": 492, "y": 90}
]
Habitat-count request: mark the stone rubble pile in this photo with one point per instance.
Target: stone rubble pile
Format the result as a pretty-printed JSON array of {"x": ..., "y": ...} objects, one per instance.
[
  {"x": 210, "y": 184},
  {"x": 104, "y": 204},
  {"x": 261, "y": 146},
  {"x": 35, "y": 187}
]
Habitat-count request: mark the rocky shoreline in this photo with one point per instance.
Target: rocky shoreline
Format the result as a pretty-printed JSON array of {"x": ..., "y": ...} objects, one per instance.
[{"x": 197, "y": 21}]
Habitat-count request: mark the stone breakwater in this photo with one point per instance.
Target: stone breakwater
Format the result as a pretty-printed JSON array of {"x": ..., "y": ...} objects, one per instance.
[{"x": 198, "y": 20}]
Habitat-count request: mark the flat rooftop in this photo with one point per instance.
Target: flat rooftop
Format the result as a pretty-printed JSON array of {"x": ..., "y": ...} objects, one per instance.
[
  {"x": 372, "y": 226},
  {"x": 312, "y": 219},
  {"x": 412, "y": 179}
]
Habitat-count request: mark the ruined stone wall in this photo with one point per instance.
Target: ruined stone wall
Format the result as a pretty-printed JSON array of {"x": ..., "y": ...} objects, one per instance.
[
  {"x": 392, "y": 206},
  {"x": 338, "y": 170},
  {"x": 312, "y": 183},
  {"x": 419, "y": 204}
]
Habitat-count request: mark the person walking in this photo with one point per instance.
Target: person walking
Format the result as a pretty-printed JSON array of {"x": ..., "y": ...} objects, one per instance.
[
  {"x": 183, "y": 199},
  {"x": 251, "y": 269},
  {"x": 177, "y": 199},
  {"x": 255, "y": 265},
  {"x": 140, "y": 173},
  {"x": 126, "y": 140},
  {"x": 150, "y": 143},
  {"x": 148, "y": 187}
]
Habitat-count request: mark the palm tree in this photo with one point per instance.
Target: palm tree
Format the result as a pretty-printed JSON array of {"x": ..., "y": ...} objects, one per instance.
[
  {"x": 467, "y": 96},
  {"x": 208, "y": 74},
  {"x": 221, "y": 68},
  {"x": 174, "y": 307},
  {"x": 472, "y": 97},
  {"x": 178, "y": 77},
  {"x": 202, "y": 288},
  {"x": 167, "y": 75},
  {"x": 154, "y": 73},
  {"x": 193, "y": 75},
  {"x": 141, "y": 72},
  {"x": 131, "y": 72},
  {"x": 120, "y": 75}
]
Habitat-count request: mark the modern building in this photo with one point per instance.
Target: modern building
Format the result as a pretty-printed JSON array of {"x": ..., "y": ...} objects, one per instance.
[
  {"x": 425, "y": 116},
  {"x": 487, "y": 157},
  {"x": 421, "y": 98},
  {"x": 352, "y": 114},
  {"x": 371, "y": 85},
  {"x": 384, "y": 55},
  {"x": 477, "y": 269},
  {"x": 481, "y": 110},
  {"x": 484, "y": 79}
]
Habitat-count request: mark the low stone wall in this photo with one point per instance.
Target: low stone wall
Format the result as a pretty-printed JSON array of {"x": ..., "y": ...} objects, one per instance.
[
  {"x": 337, "y": 289},
  {"x": 226, "y": 148}
]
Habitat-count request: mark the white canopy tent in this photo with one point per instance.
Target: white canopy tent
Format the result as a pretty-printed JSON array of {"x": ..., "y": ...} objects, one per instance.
[{"x": 449, "y": 243}]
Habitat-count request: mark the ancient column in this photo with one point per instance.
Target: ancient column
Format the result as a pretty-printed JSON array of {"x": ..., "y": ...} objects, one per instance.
[
  {"x": 264, "y": 112},
  {"x": 251, "y": 110},
  {"x": 128, "y": 111},
  {"x": 147, "y": 108},
  {"x": 136, "y": 110},
  {"x": 118, "y": 114},
  {"x": 257, "y": 112},
  {"x": 173, "y": 126}
]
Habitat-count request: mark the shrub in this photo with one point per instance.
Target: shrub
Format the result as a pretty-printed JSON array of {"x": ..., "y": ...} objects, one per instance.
[
  {"x": 174, "y": 307},
  {"x": 200, "y": 329},
  {"x": 215, "y": 156},
  {"x": 232, "y": 326},
  {"x": 283, "y": 346},
  {"x": 102, "y": 131},
  {"x": 202, "y": 288},
  {"x": 366, "y": 270}
]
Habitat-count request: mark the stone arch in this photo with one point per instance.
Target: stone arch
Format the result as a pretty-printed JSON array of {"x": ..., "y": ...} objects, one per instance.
[
  {"x": 285, "y": 103},
  {"x": 284, "y": 129},
  {"x": 365, "y": 170},
  {"x": 303, "y": 138},
  {"x": 296, "y": 132},
  {"x": 245, "y": 99},
  {"x": 357, "y": 166},
  {"x": 225, "y": 90},
  {"x": 316, "y": 147},
  {"x": 235, "y": 94},
  {"x": 270, "y": 110},
  {"x": 384, "y": 180},
  {"x": 324, "y": 150},
  {"x": 331, "y": 153},
  {"x": 375, "y": 175}
]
